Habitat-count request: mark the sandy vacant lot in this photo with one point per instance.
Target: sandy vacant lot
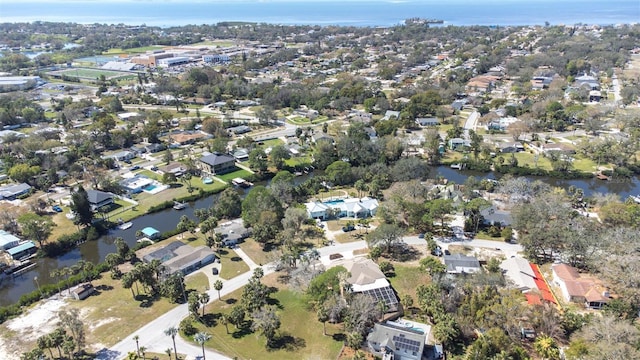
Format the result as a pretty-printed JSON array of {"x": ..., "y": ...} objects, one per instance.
[{"x": 22, "y": 332}]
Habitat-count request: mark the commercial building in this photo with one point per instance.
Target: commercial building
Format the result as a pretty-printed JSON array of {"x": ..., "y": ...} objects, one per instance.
[
  {"x": 7, "y": 240},
  {"x": 173, "y": 61}
]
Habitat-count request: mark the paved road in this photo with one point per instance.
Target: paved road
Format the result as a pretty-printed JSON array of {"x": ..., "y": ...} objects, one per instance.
[{"x": 152, "y": 334}]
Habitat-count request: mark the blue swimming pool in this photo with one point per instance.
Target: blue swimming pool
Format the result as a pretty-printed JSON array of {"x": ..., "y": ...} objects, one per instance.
[
  {"x": 150, "y": 187},
  {"x": 333, "y": 202}
]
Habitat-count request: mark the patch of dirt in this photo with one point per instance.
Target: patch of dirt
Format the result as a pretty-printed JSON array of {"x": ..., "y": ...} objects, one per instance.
[
  {"x": 101, "y": 322},
  {"x": 28, "y": 327}
]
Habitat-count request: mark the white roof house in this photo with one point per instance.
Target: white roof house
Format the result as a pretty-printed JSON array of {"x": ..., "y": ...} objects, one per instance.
[
  {"x": 350, "y": 207},
  {"x": 519, "y": 272},
  {"x": 7, "y": 240}
]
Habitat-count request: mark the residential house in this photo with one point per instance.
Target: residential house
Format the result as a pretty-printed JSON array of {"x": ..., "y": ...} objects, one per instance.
[
  {"x": 541, "y": 82},
  {"x": 232, "y": 232},
  {"x": 121, "y": 155},
  {"x": 322, "y": 137},
  {"x": 427, "y": 121},
  {"x": 8, "y": 240},
  {"x": 400, "y": 340},
  {"x": 587, "y": 81},
  {"x": 241, "y": 154},
  {"x": 527, "y": 278},
  {"x": 23, "y": 250},
  {"x": 130, "y": 116},
  {"x": 175, "y": 168},
  {"x": 351, "y": 207},
  {"x": 154, "y": 148},
  {"x": 187, "y": 138},
  {"x": 501, "y": 124},
  {"x": 135, "y": 184},
  {"x": 99, "y": 199},
  {"x": 216, "y": 164},
  {"x": 561, "y": 147},
  {"x": 179, "y": 257},
  {"x": 494, "y": 216},
  {"x": 510, "y": 147},
  {"x": 366, "y": 278},
  {"x": 13, "y": 191},
  {"x": 82, "y": 291},
  {"x": 458, "y": 105},
  {"x": 238, "y": 130},
  {"x": 458, "y": 144},
  {"x": 580, "y": 288},
  {"x": 461, "y": 264},
  {"x": 391, "y": 114}
]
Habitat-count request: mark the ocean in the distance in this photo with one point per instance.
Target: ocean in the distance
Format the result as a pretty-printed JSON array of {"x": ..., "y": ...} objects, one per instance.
[{"x": 327, "y": 12}]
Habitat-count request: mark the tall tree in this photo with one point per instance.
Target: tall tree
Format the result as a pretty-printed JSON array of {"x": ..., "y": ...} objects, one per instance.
[
  {"x": 36, "y": 227},
  {"x": 267, "y": 321},
  {"x": 386, "y": 235},
  {"x": 201, "y": 338},
  {"x": 81, "y": 207},
  {"x": 173, "y": 331}
]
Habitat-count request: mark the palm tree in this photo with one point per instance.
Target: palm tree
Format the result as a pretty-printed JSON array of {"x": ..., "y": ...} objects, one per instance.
[
  {"x": 168, "y": 352},
  {"x": 218, "y": 286},
  {"x": 55, "y": 273},
  {"x": 204, "y": 299},
  {"x": 224, "y": 319},
  {"x": 202, "y": 338},
  {"x": 136, "y": 338},
  {"x": 143, "y": 350},
  {"x": 173, "y": 331}
]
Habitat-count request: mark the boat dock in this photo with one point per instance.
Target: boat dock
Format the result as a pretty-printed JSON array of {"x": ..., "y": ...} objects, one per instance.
[
  {"x": 240, "y": 182},
  {"x": 179, "y": 205}
]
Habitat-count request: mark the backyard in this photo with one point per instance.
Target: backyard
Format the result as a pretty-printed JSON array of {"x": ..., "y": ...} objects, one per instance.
[{"x": 296, "y": 339}]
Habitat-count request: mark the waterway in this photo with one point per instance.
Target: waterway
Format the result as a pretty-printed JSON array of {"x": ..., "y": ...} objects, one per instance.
[{"x": 95, "y": 251}]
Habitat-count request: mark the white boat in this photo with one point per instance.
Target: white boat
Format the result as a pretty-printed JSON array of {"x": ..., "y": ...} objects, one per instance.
[
  {"x": 125, "y": 226},
  {"x": 635, "y": 198},
  {"x": 179, "y": 206},
  {"x": 456, "y": 166}
]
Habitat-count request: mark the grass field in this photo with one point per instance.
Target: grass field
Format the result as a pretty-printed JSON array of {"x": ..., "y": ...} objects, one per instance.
[
  {"x": 300, "y": 120},
  {"x": 221, "y": 43},
  {"x": 407, "y": 280},
  {"x": 231, "y": 264},
  {"x": 138, "y": 50},
  {"x": 109, "y": 314},
  {"x": 241, "y": 173},
  {"x": 254, "y": 250},
  {"x": 92, "y": 74},
  {"x": 198, "y": 281},
  {"x": 300, "y": 335}
]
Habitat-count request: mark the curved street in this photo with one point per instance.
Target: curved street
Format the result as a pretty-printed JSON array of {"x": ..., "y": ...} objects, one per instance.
[{"x": 152, "y": 334}]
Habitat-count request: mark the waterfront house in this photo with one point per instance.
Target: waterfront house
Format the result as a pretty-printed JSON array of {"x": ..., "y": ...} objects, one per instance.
[
  {"x": 179, "y": 257},
  {"x": 351, "y": 207},
  {"x": 216, "y": 164},
  {"x": 7, "y": 240},
  {"x": 99, "y": 199},
  {"x": 401, "y": 339},
  {"x": 23, "y": 250}
]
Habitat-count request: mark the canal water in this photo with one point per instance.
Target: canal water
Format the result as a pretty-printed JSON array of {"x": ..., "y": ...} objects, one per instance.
[{"x": 95, "y": 251}]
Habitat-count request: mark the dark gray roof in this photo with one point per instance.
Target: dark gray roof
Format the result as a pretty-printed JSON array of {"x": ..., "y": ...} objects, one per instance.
[
  {"x": 97, "y": 196},
  {"x": 217, "y": 159},
  {"x": 163, "y": 254},
  {"x": 452, "y": 262}
]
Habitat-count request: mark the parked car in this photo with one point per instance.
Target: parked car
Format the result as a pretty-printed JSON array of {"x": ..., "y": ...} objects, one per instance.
[
  {"x": 447, "y": 252},
  {"x": 214, "y": 271},
  {"x": 348, "y": 228},
  {"x": 56, "y": 208},
  {"x": 127, "y": 161},
  {"x": 135, "y": 167},
  {"x": 421, "y": 236}
]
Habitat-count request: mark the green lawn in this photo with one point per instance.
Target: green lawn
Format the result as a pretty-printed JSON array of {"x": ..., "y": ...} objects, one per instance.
[
  {"x": 150, "y": 174},
  {"x": 231, "y": 264},
  {"x": 198, "y": 282},
  {"x": 271, "y": 143},
  {"x": 301, "y": 120},
  {"x": 254, "y": 250},
  {"x": 93, "y": 74},
  {"x": 407, "y": 279},
  {"x": 138, "y": 50},
  {"x": 299, "y": 161},
  {"x": 240, "y": 173},
  {"x": 146, "y": 201},
  {"x": 300, "y": 333}
]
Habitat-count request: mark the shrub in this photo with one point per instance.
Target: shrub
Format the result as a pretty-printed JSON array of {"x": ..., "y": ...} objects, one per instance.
[{"x": 187, "y": 328}]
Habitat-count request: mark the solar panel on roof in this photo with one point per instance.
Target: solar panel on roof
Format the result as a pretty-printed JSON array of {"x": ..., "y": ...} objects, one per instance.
[{"x": 408, "y": 344}]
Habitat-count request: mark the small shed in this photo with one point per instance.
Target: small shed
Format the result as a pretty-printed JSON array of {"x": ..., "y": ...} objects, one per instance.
[
  {"x": 150, "y": 233},
  {"x": 83, "y": 291}
]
